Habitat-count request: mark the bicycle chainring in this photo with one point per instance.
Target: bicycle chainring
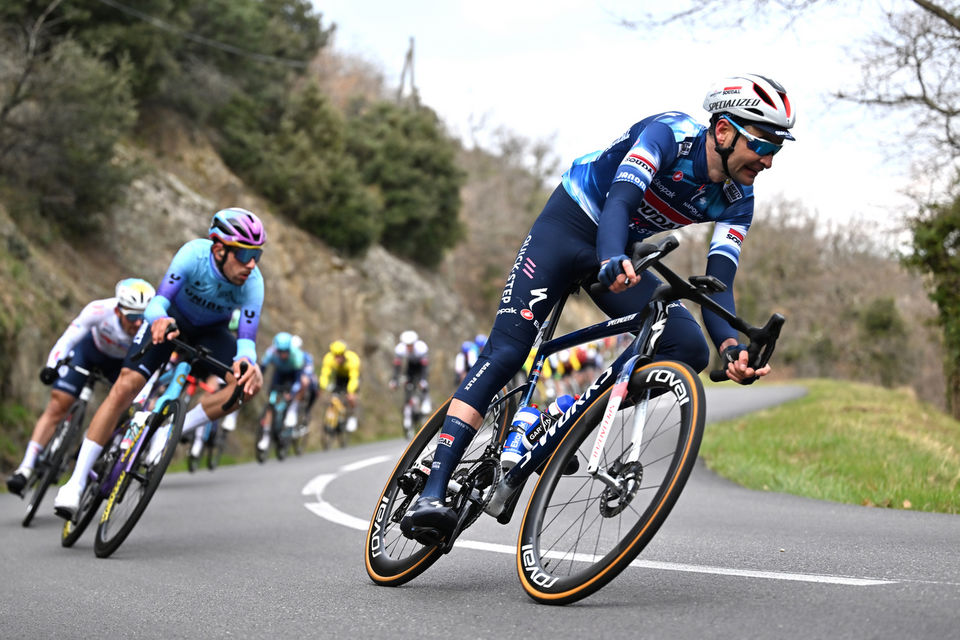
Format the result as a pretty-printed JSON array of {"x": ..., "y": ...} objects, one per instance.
[{"x": 483, "y": 476}]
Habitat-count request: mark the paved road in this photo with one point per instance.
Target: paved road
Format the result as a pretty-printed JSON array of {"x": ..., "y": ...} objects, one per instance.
[{"x": 277, "y": 551}]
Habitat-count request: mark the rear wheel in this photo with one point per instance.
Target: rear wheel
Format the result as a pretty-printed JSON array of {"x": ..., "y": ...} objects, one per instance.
[
  {"x": 215, "y": 450},
  {"x": 134, "y": 489},
  {"x": 63, "y": 441},
  {"x": 391, "y": 558},
  {"x": 581, "y": 530}
]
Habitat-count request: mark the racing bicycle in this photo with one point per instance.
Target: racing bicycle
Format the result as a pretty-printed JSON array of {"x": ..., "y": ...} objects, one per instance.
[
  {"x": 334, "y": 421},
  {"x": 413, "y": 400},
  {"x": 282, "y": 437},
  {"x": 61, "y": 451},
  {"x": 213, "y": 436},
  {"x": 609, "y": 469},
  {"x": 129, "y": 470}
]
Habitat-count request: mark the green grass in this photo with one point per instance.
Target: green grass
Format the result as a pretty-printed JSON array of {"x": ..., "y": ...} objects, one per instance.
[{"x": 844, "y": 442}]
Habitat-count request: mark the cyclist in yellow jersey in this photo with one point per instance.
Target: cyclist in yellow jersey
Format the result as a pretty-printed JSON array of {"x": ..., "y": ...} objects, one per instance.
[{"x": 340, "y": 371}]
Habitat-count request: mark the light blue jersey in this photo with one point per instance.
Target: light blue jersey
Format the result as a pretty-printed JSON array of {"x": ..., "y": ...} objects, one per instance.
[{"x": 194, "y": 285}]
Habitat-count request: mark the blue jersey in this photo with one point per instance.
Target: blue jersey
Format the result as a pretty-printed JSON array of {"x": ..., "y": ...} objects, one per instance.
[
  {"x": 655, "y": 178},
  {"x": 195, "y": 286},
  {"x": 295, "y": 360}
]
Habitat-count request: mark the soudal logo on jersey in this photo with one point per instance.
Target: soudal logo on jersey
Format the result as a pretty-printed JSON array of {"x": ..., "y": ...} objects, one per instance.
[
  {"x": 732, "y": 191},
  {"x": 641, "y": 162},
  {"x": 730, "y": 104},
  {"x": 660, "y": 214},
  {"x": 735, "y": 237}
]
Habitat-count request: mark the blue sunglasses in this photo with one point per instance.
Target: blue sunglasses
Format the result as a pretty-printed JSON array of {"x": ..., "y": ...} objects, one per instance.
[
  {"x": 132, "y": 316},
  {"x": 246, "y": 255},
  {"x": 759, "y": 146}
]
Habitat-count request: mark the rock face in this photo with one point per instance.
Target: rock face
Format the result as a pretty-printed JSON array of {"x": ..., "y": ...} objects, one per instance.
[{"x": 310, "y": 290}]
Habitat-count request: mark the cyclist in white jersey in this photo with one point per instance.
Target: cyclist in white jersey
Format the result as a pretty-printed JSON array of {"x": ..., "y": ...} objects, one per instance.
[{"x": 98, "y": 337}]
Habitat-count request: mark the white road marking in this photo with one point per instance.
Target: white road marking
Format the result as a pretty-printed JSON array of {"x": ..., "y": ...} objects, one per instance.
[{"x": 327, "y": 511}]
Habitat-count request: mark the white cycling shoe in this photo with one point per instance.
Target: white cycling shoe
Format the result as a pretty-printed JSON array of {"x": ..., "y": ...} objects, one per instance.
[{"x": 67, "y": 501}]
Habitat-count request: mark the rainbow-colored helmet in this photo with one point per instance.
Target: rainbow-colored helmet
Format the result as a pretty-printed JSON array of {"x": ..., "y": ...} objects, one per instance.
[{"x": 237, "y": 227}]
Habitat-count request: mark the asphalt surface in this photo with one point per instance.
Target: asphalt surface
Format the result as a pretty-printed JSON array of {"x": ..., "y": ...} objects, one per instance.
[{"x": 276, "y": 550}]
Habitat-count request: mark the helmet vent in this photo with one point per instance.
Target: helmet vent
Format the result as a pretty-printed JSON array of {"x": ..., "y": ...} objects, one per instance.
[{"x": 763, "y": 95}]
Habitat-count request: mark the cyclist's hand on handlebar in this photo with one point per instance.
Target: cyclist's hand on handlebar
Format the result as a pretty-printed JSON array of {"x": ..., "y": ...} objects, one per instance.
[
  {"x": 158, "y": 330},
  {"x": 252, "y": 379},
  {"x": 738, "y": 365},
  {"x": 617, "y": 274}
]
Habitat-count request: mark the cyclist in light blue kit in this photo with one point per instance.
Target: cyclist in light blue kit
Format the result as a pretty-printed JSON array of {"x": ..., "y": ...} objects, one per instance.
[
  {"x": 207, "y": 279},
  {"x": 292, "y": 368},
  {"x": 667, "y": 171}
]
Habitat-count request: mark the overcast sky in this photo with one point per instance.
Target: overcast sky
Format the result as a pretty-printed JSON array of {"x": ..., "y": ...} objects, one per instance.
[{"x": 564, "y": 70}]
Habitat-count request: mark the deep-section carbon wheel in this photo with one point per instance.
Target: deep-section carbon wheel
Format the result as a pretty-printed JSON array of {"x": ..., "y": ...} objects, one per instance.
[
  {"x": 580, "y": 530},
  {"x": 133, "y": 491},
  {"x": 391, "y": 558}
]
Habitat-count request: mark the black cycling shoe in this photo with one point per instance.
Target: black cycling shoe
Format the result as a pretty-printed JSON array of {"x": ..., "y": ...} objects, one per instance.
[
  {"x": 16, "y": 483},
  {"x": 429, "y": 521}
]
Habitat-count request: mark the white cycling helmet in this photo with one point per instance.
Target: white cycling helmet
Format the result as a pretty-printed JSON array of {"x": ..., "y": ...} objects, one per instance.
[
  {"x": 753, "y": 100},
  {"x": 134, "y": 294},
  {"x": 408, "y": 337}
]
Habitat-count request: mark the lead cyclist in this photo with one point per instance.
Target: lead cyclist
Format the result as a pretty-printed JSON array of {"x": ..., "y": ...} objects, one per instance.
[{"x": 665, "y": 172}]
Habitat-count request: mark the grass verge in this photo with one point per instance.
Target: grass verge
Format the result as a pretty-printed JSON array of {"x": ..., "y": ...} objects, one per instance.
[{"x": 844, "y": 442}]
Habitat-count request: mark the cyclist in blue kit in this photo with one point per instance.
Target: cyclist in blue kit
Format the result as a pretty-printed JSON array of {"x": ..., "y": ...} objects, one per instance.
[
  {"x": 667, "y": 171},
  {"x": 207, "y": 279}
]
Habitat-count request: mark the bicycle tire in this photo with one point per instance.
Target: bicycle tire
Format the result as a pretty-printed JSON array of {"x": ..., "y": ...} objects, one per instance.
[
  {"x": 92, "y": 497},
  {"x": 215, "y": 451},
  {"x": 578, "y": 534},
  {"x": 392, "y": 559},
  {"x": 65, "y": 434},
  {"x": 117, "y": 521}
]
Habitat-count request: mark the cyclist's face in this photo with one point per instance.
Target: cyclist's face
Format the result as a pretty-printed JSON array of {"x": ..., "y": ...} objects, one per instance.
[
  {"x": 234, "y": 270},
  {"x": 743, "y": 164},
  {"x": 130, "y": 327}
]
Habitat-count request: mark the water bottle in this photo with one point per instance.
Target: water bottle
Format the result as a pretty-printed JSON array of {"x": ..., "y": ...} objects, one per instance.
[
  {"x": 524, "y": 420},
  {"x": 556, "y": 409},
  {"x": 559, "y": 406}
]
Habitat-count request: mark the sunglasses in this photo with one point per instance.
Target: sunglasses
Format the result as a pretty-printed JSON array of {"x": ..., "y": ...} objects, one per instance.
[
  {"x": 244, "y": 255},
  {"x": 132, "y": 316},
  {"x": 759, "y": 146}
]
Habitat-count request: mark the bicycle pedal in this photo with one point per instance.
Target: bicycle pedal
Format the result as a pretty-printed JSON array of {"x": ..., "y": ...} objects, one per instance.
[{"x": 427, "y": 536}]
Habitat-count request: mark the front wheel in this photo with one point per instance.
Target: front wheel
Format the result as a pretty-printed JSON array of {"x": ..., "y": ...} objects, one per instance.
[
  {"x": 134, "y": 488},
  {"x": 580, "y": 530},
  {"x": 391, "y": 558},
  {"x": 56, "y": 460}
]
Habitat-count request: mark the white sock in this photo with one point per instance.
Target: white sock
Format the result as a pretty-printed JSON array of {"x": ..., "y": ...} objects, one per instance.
[
  {"x": 197, "y": 447},
  {"x": 89, "y": 452},
  {"x": 30, "y": 457},
  {"x": 196, "y": 417},
  {"x": 229, "y": 422}
]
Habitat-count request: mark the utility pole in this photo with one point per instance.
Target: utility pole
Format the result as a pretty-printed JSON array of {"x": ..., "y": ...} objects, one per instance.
[{"x": 414, "y": 96}]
